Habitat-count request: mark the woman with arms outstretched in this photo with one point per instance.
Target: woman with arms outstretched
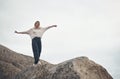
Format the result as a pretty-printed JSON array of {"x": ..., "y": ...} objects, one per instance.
[{"x": 36, "y": 34}]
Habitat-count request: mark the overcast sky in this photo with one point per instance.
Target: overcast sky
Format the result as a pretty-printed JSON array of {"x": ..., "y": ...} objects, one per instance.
[{"x": 85, "y": 28}]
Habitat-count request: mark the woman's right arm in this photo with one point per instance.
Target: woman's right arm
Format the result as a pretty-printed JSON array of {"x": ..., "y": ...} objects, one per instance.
[{"x": 21, "y": 32}]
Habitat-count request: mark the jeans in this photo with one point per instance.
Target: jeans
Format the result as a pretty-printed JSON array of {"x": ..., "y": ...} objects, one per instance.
[{"x": 37, "y": 47}]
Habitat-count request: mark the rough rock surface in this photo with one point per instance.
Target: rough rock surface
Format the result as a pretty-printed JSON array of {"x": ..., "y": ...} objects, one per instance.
[{"x": 18, "y": 66}]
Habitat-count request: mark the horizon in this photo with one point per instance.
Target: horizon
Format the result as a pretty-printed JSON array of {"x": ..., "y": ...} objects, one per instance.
[{"x": 85, "y": 28}]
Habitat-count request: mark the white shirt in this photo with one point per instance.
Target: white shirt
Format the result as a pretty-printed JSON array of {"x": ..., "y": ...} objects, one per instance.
[{"x": 33, "y": 32}]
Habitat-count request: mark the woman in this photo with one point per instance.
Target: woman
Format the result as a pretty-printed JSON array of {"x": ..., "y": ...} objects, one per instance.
[{"x": 36, "y": 34}]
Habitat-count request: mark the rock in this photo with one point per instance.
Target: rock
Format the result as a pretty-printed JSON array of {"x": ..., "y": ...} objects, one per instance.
[
  {"x": 18, "y": 66},
  {"x": 7, "y": 70},
  {"x": 11, "y": 63},
  {"x": 39, "y": 72},
  {"x": 79, "y": 68}
]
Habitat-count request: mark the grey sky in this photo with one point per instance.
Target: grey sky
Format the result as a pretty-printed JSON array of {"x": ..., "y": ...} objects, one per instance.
[{"x": 85, "y": 28}]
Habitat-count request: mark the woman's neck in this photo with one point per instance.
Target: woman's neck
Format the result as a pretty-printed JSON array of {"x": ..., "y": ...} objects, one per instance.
[{"x": 37, "y": 27}]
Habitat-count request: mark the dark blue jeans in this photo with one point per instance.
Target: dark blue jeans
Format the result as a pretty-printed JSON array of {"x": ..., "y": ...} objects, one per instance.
[{"x": 37, "y": 47}]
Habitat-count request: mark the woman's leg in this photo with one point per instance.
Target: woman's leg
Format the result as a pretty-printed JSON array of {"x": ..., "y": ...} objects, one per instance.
[
  {"x": 39, "y": 46},
  {"x": 35, "y": 50}
]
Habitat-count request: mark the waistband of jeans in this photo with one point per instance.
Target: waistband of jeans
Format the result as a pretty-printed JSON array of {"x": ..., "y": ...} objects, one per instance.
[{"x": 37, "y": 38}]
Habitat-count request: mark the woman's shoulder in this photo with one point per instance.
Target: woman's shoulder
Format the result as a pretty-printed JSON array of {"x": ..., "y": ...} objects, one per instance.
[
  {"x": 44, "y": 27},
  {"x": 31, "y": 29}
]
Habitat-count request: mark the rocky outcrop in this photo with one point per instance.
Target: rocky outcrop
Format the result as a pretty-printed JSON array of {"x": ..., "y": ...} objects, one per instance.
[
  {"x": 18, "y": 66},
  {"x": 12, "y": 63}
]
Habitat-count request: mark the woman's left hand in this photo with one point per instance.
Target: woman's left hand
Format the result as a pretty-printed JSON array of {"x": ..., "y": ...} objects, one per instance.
[{"x": 54, "y": 25}]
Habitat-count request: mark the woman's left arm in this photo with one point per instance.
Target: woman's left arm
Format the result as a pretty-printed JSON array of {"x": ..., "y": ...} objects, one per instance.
[{"x": 51, "y": 26}]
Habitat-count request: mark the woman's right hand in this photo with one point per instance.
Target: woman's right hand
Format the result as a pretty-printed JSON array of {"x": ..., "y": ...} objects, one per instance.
[{"x": 16, "y": 31}]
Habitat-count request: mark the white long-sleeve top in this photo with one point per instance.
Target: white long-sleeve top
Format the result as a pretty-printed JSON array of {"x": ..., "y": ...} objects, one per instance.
[{"x": 33, "y": 32}]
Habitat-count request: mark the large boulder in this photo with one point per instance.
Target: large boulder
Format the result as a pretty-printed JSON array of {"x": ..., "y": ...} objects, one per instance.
[
  {"x": 12, "y": 63},
  {"x": 79, "y": 68},
  {"x": 18, "y": 66}
]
